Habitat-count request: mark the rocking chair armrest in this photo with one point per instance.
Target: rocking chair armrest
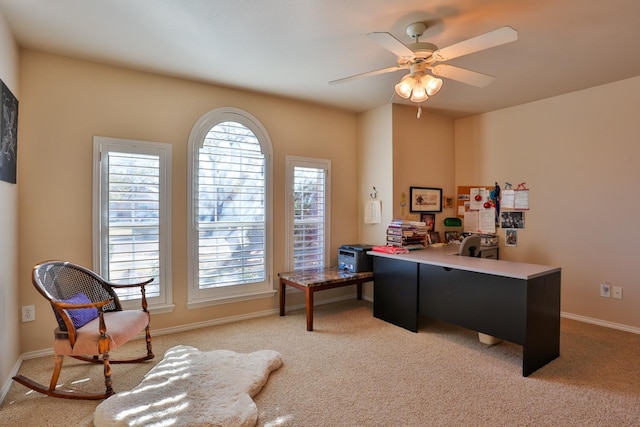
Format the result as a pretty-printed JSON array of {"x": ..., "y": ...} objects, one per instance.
[
  {"x": 70, "y": 306},
  {"x": 141, "y": 285},
  {"x": 72, "y": 332},
  {"x": 130, "y": 285}
]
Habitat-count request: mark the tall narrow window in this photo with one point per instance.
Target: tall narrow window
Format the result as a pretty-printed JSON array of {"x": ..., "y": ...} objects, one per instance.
[
  {"x": 308, "y": 184},
  {"x": 229, "y": 215},
  {"x": 132, "y": 216}
]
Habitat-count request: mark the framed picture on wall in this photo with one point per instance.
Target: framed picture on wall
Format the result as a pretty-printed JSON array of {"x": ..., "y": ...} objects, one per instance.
[
  {"x": 429, "y": 219},
  {"x": 8, "y": 135},
  {"x": 424, "y": 199},
  {"x": 511, "y": 219}
]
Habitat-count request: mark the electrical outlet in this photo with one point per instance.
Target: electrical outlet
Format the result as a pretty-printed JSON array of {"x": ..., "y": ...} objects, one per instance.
[
  {"x": 605, "y": 289},
  {"x": 617, "y": 292},
  {"x": 28, "y": 313}
]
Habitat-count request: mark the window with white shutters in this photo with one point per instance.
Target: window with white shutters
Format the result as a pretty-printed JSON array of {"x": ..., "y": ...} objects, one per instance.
[
  {"x": 308, "y": 182},
  {"x": 132, "y": 216},
  {"x": 229, "y": 215}
]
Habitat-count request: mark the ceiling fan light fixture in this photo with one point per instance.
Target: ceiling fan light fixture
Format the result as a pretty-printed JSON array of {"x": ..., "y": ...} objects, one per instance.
[
  {"x": 418, "y": 86},
  {"x": 405, "y": 86},
  {"x": 433, "y": 85},
  {"x": 419, "y": 94}
]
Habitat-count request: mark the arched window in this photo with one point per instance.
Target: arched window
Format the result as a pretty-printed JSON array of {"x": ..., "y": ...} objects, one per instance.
[{"x": 229, "y": 208}]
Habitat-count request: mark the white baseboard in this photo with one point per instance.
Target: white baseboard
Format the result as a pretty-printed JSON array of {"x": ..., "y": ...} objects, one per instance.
[
  {"x": 606, "y": 324},
  {"x": 7, "y": 384}
]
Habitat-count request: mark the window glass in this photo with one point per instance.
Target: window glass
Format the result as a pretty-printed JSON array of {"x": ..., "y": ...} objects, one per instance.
[
  {"x": 231, "y": 207},
  {"x": 229, "y": 210},
  {"x": 307, "y": 207},
  {"x": 131, "y": 235}
]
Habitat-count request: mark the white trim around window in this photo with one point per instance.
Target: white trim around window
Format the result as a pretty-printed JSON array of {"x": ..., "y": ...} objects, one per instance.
[
  {"x": 307, "y": 212},
  {"x": 132, "y": 217},
  {"x": 229, "y": 190}
]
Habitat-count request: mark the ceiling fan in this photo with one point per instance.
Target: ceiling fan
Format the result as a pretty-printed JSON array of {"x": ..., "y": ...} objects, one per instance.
[{"x": 424, "y": 61}]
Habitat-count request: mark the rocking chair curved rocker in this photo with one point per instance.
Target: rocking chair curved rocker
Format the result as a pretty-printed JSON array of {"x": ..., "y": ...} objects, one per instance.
[{"x": 91, "y": 322}]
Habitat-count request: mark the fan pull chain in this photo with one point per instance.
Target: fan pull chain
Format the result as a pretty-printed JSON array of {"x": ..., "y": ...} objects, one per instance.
[{"x": 419, "y": 112}]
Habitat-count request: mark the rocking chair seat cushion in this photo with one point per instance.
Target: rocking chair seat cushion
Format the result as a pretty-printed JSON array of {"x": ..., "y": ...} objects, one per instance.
[
  {"x": 81, "y": 316},
  {"x": 122, "y": 326}
]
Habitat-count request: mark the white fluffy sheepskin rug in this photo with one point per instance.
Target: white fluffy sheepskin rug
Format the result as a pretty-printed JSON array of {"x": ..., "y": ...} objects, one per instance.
[{"x": 190, "y": 387}]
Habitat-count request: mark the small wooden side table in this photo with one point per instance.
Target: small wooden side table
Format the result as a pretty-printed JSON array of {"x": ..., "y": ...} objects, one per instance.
[{"x": 318, "y": 279}]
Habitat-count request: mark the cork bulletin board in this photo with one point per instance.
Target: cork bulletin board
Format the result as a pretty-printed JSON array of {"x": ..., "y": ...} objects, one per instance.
[{"x": 463, "y": 196}]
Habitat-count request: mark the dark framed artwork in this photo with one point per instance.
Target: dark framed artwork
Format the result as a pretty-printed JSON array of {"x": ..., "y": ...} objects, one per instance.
[
  {"x": 424, "y": 199},
  {"x": 8, "y": 135},
  {"x": 512, "y": 219},
  {"x": 434, "y": 237}
]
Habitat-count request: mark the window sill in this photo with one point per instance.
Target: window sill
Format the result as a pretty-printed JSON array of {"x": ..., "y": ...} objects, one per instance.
[
  {"x": 227, "y": 300},
  {"x": 160, "y": 309},
  {"x": 153, "y": 309}
]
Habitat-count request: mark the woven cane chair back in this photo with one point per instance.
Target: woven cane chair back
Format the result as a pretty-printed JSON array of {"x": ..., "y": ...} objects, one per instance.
[{"x": 61, "y": 280}]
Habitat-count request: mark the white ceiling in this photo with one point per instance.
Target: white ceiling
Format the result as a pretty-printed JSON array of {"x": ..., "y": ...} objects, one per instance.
[{"x": 293, "y": 48}]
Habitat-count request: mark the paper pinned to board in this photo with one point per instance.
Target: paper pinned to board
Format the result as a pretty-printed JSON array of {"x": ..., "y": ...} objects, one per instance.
[
  {"x": 372, "y": 212},
  {"x": 480, "y": 221}
]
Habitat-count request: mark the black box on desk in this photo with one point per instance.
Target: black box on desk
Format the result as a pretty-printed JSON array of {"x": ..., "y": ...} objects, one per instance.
[{"x": 354, "y": 258}]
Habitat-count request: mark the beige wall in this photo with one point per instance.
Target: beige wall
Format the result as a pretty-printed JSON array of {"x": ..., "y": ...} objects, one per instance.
[
  {"x": 9, "y": 314},
  {"x": 66, "y": 102},
  {"x": 423, "y": 156},
  {"x": 375, "y": 165},
  {"x": 396, "y": 151},
  {"x": 578, "y": 153}
]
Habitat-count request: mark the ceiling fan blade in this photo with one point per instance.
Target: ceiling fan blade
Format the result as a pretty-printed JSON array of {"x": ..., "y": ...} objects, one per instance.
[
  {"x": 483, "y": 41},
  {"x": 369, "y": 74},
  {"x": 391, "y": 43},
  {"x": 462, "y": 75}
]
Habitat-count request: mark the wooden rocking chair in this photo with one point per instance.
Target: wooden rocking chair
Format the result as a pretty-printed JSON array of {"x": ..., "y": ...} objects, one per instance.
[{"x": 91, "y": 322}]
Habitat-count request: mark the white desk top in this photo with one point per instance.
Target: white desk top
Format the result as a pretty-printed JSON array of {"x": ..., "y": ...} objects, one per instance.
[{"x": 446, "y": 256}]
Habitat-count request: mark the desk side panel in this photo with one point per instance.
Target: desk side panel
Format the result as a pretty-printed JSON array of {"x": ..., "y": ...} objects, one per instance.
[
  {"x": 395, "y": 292},
  {"x": 543, "y": 322}
]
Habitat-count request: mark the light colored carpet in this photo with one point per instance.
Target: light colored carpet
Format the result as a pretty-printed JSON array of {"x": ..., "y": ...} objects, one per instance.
[
  {"x": 190, "y": 387},
  {"x": 355, "y": 370}
]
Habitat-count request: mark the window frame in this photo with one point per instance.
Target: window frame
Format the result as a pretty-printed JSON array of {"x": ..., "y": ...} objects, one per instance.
[
  {"x": 291, "y": 163},
  {"x": 197, "y": 297},
  {"x": 101, "y": 145}
]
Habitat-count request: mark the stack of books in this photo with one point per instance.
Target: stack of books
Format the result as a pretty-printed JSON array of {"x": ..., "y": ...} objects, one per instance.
[{"x": 407, "y": 234}]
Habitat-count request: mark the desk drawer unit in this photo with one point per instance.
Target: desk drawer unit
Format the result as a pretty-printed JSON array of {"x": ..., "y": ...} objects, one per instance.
[{"x": 485, "y": 303}]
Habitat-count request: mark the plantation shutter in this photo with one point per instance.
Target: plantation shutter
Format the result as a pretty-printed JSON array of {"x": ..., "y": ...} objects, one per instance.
[
  {"x": 308, "y": 217},
  {"x": 230, "y": 208},
  {"x": 133, "y": 248}
]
